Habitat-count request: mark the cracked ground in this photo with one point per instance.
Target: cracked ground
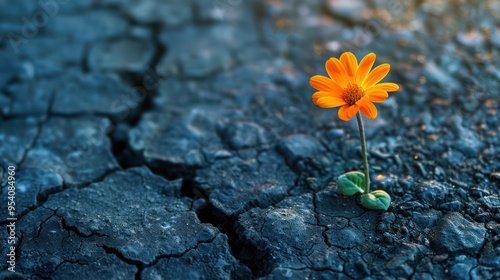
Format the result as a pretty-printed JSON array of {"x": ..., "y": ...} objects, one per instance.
[{"x": 177, "y": 140}]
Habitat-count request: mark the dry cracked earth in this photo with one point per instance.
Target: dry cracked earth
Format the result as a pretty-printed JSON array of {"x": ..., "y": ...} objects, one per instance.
[{"x": 177, "y": 140}]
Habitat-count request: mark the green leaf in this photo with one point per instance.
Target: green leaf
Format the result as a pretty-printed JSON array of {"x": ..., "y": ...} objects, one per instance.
[
  {"x": 376, "y": 200},
  {"x": 351, "y": 183}
]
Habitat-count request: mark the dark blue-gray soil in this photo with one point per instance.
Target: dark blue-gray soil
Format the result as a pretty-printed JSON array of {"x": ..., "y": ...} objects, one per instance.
[{"x": 177, "y": 140}]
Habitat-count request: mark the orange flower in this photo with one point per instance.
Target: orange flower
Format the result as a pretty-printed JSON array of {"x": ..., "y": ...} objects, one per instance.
[{"x": 352, "y": 86}]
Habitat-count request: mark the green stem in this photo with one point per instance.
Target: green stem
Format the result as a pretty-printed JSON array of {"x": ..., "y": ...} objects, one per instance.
[{"x": 363, "y": 151}]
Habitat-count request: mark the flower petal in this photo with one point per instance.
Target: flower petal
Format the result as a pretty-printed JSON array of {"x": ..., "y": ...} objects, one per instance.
[
  {"x": 350, "y": 63},
  {"x": 353, "y": 110},
  {"x": 329, "y": 102},
  {"x": 377, "y": 95},
  {"x": 369, "y": 110},
  {"x": 336, "y": 71},
  {"x": 317, "y": 95},
  {"x": 363, "y": 100},
  {"x": 343, "y": 113},
  {"x": 322, "y": 83},
  {"x": 376, "y": 75},
  {"x": 364, "y": 68},
  {"x": 386, "y": 86}
]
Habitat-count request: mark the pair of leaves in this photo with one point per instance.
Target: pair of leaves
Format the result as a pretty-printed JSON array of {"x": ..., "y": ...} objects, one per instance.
[{"x": 353, "y": 182}]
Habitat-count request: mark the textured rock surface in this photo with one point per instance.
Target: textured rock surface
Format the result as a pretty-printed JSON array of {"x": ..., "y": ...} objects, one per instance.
[
  {"x": 454, "y": 233},
  {"x": 177, "y": 140},
  {"x": 34, "y": 186},
  {"x": 16, "y": 142},
  {"x": 212, "y": 52},
  {"x": 218, "y": 263},
  {"x": 79, "y": 93},
  {"x": 78, "y": 149},
  {"x": 127, "y": 54},
  {"x": 151, "y": 230},
  {"x": 105, "y": 24},
  {"x": 235, "y": 185}
]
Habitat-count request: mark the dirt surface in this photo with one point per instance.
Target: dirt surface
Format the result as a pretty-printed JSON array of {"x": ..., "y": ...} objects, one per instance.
[{"x": 177, "y": 140}]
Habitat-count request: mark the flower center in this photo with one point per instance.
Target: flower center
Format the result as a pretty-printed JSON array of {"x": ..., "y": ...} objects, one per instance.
[{"x": 352, "y": 93}]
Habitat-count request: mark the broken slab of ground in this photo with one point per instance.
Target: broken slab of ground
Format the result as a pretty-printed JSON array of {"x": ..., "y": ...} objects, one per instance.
[{"x": 177, "y": 140}]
